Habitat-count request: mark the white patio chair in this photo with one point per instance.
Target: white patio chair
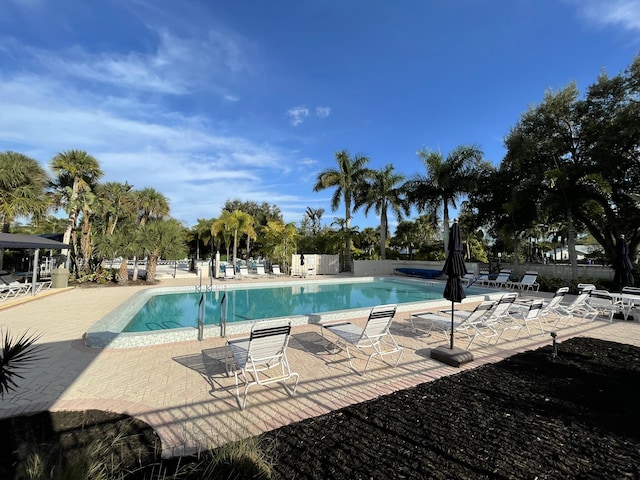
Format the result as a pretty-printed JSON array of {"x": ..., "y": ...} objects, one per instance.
[
  {"x": 531, "y": 314},
  {"x": 251, "y": 359},
  {"x": 375, "y": 337},
  {"x": 244, "y": 272},
  {"x": 578, "y": 308},
  {"x": 528, "y": 282},
  {"x": 260, "y": 270},
  {"x": 468, "y": 323},
  {"x": 229, "y": 272},
  {"x": 551, "y": 308},
  {"x": 603, "y": 303},
  {"x": 275, "y": 271},
  {"x": 501, "y": 280}
]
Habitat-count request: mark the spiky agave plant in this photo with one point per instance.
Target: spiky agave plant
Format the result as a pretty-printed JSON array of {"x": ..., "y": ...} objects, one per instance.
[{"x": 17, "y": 355}]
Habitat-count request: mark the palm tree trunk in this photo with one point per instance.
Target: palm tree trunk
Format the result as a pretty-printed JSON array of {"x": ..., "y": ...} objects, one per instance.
[
  {"x": 571, "y": 245},
  {"x": 445, "y": 220},
  {"x": 123, "y": 272},
  {"x": 152, "y": 266},
  {"x": 347, "y": 223},
  {"x": 383, "y": 234}
]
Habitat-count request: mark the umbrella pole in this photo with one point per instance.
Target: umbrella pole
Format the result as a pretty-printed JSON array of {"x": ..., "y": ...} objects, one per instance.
[{"x": 451, "y": 338}]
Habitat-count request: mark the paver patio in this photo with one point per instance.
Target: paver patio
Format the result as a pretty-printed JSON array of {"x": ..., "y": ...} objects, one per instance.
[{"x": 181, "y": 390}]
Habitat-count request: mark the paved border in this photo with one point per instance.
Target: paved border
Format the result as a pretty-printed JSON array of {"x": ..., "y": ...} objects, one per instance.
[{"x": 181, "y": 389}]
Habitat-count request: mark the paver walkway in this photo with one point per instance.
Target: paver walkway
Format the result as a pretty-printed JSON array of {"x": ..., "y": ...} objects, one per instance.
[{"x": 181, "y": 390}]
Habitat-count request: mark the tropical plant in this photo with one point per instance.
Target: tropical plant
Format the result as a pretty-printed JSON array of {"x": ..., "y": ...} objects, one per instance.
[
  {"x": 280, "y": 240},
  {"x": 17, "y": 355},
  {"x": 161, "y": 238},
  {"x": 76, "y": 173},
  {"x": 23, "y": 184},
  {"x": 150, "y": 204},
  {"x": 384, "y": 194},
  {"x": 446, "y": 180},
  {"x": 349, "y": 180}
]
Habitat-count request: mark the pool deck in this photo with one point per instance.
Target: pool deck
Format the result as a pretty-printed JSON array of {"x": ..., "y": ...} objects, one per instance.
[{"x": 181, "y": 389}]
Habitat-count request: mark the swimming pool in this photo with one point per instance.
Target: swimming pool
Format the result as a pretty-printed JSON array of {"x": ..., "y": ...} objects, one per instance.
[{"x": 162, "y": 315}]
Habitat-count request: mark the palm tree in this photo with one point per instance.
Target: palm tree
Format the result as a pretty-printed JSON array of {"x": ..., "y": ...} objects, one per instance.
[
  {"x": 349, "y": 180},
  {"x": 121, "y": 243},
  {"x": 446, "y": 180},
  {"x": 383, "y": 194},
  {"x": 238, "y": 223},
  {"x": 151, "y": 204},
  {"x": 315, "y": 216},
  {"x": 280, "y": 240},
  {"x": 23, "y": 184},
  {"x": 161, "y": 238},
  {"x": 76, "y": 172},
  {"x": 115, "y": 202},
  {"x": 16, "y": 355}
]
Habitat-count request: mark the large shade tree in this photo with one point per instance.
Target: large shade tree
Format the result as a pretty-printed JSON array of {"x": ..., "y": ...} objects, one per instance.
[{"x": 349, "y": 180}]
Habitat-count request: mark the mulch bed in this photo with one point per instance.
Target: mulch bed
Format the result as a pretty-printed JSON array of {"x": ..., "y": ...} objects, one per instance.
[{"x": 576, "y": 416}]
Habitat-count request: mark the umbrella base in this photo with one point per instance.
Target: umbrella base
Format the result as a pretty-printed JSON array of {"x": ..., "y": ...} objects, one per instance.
[{"x": 451, "y": 356}]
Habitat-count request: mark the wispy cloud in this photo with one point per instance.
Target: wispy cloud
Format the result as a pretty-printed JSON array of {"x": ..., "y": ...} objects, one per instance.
[
  {"x": 298, "y": 114},
  {"x": 323, "y": 112},
  {"x": 622, "y": 13}
]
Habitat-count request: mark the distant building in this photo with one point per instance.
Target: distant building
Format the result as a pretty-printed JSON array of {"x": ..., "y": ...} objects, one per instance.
[{"x": 562, "y": 253}]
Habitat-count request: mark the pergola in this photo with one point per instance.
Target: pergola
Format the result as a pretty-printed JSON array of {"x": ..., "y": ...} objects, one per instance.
[{"x": 31, "y": 242}]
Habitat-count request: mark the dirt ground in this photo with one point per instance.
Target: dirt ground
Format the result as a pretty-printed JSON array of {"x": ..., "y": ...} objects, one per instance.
[{"x": 533, "y": 416}]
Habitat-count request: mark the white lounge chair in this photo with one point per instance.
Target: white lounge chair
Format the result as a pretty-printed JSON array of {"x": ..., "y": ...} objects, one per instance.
[
  {"x": 603, "y": 303},
  {"x": 260, "y": 270},
  {"x": 579, "y": 307},
  {"x": 531, "y": 314},
  {"x": 468, "y": 323},
  {"x": 375, "y": 337},
  {"x": 229, "y": 272},
  {"x": 501, "y": 280},
  {"x": 244, "y": 271},
  {"x": 275, "y": 271},
  {"x": 250, "y": 358},
  {"x": 528, "y": 282}
]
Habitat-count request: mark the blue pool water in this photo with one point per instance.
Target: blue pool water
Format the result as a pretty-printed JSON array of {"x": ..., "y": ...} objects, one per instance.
[{"x": 177, "y": 310}]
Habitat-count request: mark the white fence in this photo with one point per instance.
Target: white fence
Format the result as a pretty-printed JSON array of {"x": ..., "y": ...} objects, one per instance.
[{"x": 315, "y": 264}]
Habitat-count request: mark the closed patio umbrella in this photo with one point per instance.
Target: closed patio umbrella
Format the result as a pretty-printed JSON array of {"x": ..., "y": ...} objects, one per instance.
[
  {"x": 455, "y": 269},
  {"x": 623, "y": 268}
]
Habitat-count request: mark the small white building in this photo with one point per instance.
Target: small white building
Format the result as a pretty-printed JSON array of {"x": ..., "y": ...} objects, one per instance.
[{"x": 562, "y": 253}]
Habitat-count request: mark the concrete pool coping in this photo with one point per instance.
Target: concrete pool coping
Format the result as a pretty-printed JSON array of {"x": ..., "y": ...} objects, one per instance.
[{"x": 108, "y": 331}]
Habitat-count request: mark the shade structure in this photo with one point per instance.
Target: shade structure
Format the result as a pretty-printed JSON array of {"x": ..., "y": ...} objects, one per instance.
[
  {"x": 623, "y": 268},
  {"x": 455, "y": 269}
]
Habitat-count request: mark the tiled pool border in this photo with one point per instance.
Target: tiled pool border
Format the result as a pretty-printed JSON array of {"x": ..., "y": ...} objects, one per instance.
[{"x": 107, "y": 332}]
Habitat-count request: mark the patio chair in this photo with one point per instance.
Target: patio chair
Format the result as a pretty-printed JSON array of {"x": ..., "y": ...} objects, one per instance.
[
  {"x": 603, "y": 303},
  {"x": 528, "y": 282},
  {"x": 244, "y": 271},
  {"x": 14, "y": 290},
  {"x": 251, "y": 359},
  {"x": 579, "y": 307},
  {"x": 375, "y": 337},
  {"x": 551, "y": 308},
  {"x": 470, "y": 324},
  {"x": 501, "y": 280},
  {"x": 275, "y": 271},
  {"x": 531, "y": 314},
  {"x": 260, "y": 270},
  {"x": 482, "y": 279},
  {"x": 500, "y": 319},
  {"x": 229, "y": 272},
  {"x": 468, "y": 278}
]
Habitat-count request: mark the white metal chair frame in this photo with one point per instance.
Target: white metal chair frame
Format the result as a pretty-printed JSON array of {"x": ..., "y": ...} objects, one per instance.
[
  {"x": 374, "y": 336},
  {"x": 252, "y": 357},
  {"x": 602, "y": 302},
  {"x": 472, "y": 323}
]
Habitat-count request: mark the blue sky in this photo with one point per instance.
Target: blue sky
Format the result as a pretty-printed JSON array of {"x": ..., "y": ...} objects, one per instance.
[{"x": 209, "y": 100}]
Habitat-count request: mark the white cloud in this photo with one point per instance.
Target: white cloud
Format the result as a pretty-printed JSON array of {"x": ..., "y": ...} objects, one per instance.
[
  {"x": 623, "y": 13},
  {"x": 298, "y": 114},
  {"x": 323, "y": 112}
]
